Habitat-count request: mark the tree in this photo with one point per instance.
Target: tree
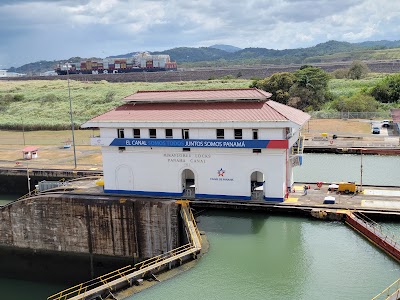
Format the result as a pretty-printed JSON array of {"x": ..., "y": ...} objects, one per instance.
[
  {"x": 311, "y": 88},
  {"x": 358, "y": 70},
  {"x": 278, "y": 84},
  {"x": 388, "y": 89},
  {"x": 340, "y": 73},
  {"x": 358, "y": 102}
]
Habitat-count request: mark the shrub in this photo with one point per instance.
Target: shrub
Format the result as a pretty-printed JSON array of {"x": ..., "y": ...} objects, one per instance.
[
  {"x": 340, "y": 73},
  {"x": 49, "y": 98},
  {"x": 358, "y": 70},
  {"x": 278, "y": 84},
  {"x": 358, "y": 102},
  {"x": 387, "y": 90}
]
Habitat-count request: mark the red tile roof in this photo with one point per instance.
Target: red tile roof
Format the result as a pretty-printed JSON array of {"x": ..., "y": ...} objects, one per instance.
[
  {"x": 220, "y": 95},
  {"x": 30, "y": 149},
  {"x": 246, "y": 111},
  {"x": 293, "y": 114}
]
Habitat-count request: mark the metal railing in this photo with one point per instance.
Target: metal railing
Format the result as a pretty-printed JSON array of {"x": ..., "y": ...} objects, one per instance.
[
  {"x": 298, "y": 148},
  {"x": 379, "y": 230},
  {"x": 349, "y": 115},
  {"x": 190, "y": 222},
  {"x": 392, "y": 292},
  {"x": 109, "y": 281}
]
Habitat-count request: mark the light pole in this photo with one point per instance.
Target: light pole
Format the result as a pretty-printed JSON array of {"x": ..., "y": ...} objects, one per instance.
[
  {"x": 361, "y": 169},
  {"x": 23, "y": 130},
  {"x": 28, "y": 178},
  {"x": 70, "y": 113}
]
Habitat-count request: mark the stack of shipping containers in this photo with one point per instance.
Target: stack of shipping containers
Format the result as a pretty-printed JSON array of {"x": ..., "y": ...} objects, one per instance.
[{"x": 139, "y": 62}]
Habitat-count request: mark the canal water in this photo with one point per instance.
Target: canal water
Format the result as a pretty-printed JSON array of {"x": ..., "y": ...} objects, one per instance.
[
  {"x": 261, "y": 256},
  {"x": 256, "y": 256},
  {"x": 376, "y": 169}
]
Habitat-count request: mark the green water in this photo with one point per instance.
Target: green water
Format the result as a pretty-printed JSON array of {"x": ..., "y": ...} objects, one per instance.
[
  {"x": 4, "y": 199},
  {"x": 12, "y": 289},
  {"x": 377, "y": 169},
  {"x": 272, "y": 257},
  {"x": 27, "y": 290}
]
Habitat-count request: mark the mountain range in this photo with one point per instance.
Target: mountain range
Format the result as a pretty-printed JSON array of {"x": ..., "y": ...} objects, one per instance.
[{"x": 227, "y": 55}]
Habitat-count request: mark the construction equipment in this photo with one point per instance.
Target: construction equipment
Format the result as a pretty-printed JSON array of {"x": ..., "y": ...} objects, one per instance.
[{"x": 347, "y": 187}]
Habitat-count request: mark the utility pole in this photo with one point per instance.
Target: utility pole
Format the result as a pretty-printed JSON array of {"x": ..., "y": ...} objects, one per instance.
[
  {"x": 70, "y": 113},
  {"x": 29, "y": 179},
  {"x": 361, "y": 170},
  {"x": 23, "y": 130}
]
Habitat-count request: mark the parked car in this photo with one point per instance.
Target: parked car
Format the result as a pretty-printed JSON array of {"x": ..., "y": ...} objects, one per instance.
[
  {"x": 376, "y": 130},
  {"x": 385, "y": 123}
]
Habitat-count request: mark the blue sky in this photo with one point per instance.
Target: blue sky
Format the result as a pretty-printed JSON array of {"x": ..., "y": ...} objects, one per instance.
[{"x": 32, "y": 30}]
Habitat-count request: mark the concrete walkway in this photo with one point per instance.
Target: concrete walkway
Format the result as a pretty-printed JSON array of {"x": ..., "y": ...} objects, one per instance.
[{"x": 371, "y": 197}]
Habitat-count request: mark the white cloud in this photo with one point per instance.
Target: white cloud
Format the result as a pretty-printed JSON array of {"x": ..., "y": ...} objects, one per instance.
[{"x": 66, "y": 28}]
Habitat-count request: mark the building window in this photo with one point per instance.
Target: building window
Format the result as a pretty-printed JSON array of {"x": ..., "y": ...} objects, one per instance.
[
  {"x": 220, "y": 133},
  {"x": 121, "y": 149},
  {"x": 168, "y": 133},
  {"x": 136, "y": 133},
  {"x": 121, "y": 133},
  {"x": 185, "y": 134},
  {"x": 255, "y": 134},
  {"x": 256, "y": 150},
  {"x": 185, "y": 149},
  {"x": 238, "y": 134},
  {"x": 153, "y": 133}
]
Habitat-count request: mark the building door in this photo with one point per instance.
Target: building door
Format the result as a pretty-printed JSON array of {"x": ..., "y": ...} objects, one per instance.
[
  {"x": 188, "y": 183},
  {"x": 257, "y": 185},
  {"x": 124, "y": 178}
]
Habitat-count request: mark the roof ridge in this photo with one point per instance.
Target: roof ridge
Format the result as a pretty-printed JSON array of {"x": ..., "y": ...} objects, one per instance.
[
  {"x": 199, "y": 90},
  {"x": 272, "y": 101},
  {"x": 288, "y": 110}
]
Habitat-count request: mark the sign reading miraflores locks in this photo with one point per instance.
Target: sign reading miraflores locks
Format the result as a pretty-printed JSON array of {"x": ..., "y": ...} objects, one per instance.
[
  {"x": 186, "y": 157},
  {"x": 277, "y": 144}
]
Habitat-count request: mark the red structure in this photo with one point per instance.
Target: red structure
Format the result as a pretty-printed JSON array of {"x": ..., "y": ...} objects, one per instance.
[
  {"x": 30, "y": 152},
  {"x": 374, "y": 233}
]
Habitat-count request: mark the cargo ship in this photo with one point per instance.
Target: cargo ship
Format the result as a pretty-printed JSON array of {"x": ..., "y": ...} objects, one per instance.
[{"x": 141, "y": 62}]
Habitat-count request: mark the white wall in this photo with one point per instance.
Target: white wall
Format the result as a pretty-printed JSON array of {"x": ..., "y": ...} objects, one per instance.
[
  {"x": 151, "y": 170},
  {"x": 160, "y": 169}
]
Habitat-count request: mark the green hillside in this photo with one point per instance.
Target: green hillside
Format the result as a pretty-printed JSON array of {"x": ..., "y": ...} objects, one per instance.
[{"x": 331, "y": 51}]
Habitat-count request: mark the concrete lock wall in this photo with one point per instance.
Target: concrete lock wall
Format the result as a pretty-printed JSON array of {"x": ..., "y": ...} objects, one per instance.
[{"x": 106, "y": 226}]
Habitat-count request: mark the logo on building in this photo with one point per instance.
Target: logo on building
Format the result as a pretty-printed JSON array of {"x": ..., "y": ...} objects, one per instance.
[{"x": 221, "y": 173}]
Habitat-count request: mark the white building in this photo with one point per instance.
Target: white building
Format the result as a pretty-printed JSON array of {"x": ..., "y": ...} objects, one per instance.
[
  {"x": 5, "y": 73},
  {"x": 225, "y": 144}
]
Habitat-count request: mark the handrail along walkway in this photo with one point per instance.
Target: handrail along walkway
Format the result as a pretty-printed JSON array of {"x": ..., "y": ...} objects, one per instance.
[
  {"x": 388, "y": 293},
  {"x": 110, "y": 281},
  {"x": 380, "y": 237}
]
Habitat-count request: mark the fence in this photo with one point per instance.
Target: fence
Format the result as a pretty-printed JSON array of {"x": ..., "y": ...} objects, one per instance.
[{"x": 349, "y": 115}]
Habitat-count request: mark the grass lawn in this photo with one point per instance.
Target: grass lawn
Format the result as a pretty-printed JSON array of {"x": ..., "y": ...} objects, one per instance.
[{"x": 44, "y": 104}]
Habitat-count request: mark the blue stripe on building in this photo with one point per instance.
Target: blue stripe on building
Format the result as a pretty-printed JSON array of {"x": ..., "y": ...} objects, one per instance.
[
  {"x": 199, "y": 196},
  {"x": 190, "y": 143}
]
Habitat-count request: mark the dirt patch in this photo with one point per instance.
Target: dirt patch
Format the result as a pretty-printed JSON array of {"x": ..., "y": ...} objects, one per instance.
[
  {"x": 46, "y": 137},
  {"x": 87, "y": 157},
  {"x": 338, "y": 127}
]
